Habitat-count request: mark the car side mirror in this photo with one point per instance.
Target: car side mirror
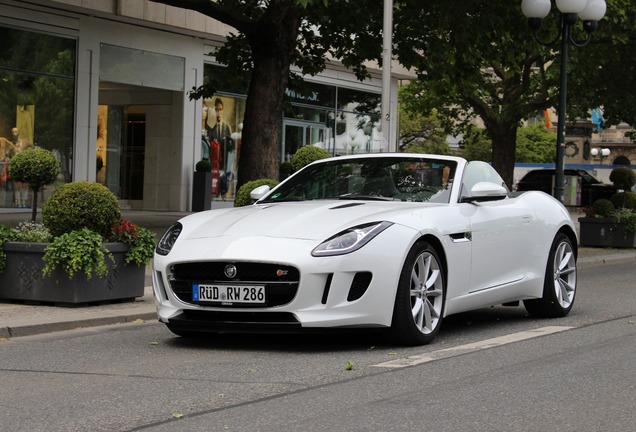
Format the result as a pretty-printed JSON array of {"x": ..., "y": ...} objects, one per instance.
[
  {"x": 259, "y": 192},
  {"x": 486, "y": 191}
]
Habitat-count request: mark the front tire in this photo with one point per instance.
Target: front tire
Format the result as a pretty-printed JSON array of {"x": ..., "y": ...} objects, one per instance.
[
  {"x": 420, "y": 298},
  {"x": 559, "y": 287}
]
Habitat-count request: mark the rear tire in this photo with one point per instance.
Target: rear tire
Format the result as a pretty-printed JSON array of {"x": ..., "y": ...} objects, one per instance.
[
  {"x": 559, "y": 287},
  {"x": 420, "y": 298}
]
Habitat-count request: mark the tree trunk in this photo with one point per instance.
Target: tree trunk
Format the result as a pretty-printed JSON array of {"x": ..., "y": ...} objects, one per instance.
[
  {"x": 272, "y": 42},
  {"x": 34, "y": 204},
  {"x": 504, "y": 147}
]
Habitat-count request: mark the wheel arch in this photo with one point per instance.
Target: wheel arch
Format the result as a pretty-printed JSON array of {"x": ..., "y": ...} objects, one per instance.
[
  {"x": 569, "y": 232},
  {"x": 437, "y": 245},
  {"x": 406, "y": 328}
]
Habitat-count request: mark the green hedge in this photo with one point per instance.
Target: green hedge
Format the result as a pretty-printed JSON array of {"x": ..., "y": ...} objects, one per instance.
[
  {"x": 243, "y": 198},
  {"x": 306, "y": 155},
  {"x": 624, "y": 200},
  {"x": 78, "y": 205}
]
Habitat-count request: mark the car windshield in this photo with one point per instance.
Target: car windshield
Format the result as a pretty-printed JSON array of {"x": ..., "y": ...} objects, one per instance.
[
  {"x": 418, "y": 179},
  {"x": 588, "y": 178}
]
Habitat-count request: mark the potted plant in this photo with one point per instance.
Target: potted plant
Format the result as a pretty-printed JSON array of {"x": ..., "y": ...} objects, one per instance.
[
  {"x": 202, "y": 186},
  {"x": 82, "y": 253},
  {"x": 612, "y": 223}
]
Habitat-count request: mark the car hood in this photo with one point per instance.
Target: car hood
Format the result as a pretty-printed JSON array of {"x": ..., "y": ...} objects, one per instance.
[
  {"x": 310, "y": 220},
  {"x": 602, "y": 186}
]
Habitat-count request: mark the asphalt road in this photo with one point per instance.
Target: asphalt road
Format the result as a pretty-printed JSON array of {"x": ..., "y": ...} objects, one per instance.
[{"x": 491, "y": 370}]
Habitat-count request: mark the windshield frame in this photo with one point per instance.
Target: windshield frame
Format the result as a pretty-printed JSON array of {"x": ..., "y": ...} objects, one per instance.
[{"x": 395, "y": 177}]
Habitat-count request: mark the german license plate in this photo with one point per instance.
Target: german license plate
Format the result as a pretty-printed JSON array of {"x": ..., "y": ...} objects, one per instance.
[{"x": 229, "y": 294}]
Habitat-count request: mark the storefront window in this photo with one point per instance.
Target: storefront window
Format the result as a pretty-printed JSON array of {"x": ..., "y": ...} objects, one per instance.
[
  {"x": 36, "y": 104},
  {"x": 358, "y": 123},
  {"x": 221, "y": 137},
  {"x": 222, "y": 129},
  {"x": 339, "y": 120}
]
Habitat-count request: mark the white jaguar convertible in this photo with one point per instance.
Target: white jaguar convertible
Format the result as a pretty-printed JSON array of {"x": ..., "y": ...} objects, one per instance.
[{"x": 392, "y": 241}]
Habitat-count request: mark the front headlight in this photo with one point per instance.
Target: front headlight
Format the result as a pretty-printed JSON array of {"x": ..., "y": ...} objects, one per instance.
[
  {"x": 350, "y": 240},
  {"x": 168, "y": 239}
]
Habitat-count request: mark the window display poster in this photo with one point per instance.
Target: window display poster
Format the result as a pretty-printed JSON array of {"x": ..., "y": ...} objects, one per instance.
[{"x": 221, "y": 130}]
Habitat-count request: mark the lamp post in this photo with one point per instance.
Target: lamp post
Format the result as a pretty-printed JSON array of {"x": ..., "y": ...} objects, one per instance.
[
  {"x": 601, "y": 153},
  {"x": 590, "y": 12},
  {"x": 387, "y": 41}
]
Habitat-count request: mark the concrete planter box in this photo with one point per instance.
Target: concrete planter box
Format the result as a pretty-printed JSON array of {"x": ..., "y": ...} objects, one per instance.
[
  {"x": 201, "y": 191},
  {"x": 604, "y": 232},
  {"x": 22, "y": 278}
]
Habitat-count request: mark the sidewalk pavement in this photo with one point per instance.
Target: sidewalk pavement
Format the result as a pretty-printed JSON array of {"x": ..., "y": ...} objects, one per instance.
[{"x": 24, "y": 320}]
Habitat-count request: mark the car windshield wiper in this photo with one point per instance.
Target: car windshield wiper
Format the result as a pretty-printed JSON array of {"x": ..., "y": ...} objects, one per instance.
[
  {"x": 367, "y": 198},
  {"x": 278, "y": 200}
]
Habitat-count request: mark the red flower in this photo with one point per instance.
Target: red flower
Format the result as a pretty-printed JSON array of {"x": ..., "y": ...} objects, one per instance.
[{"x": 124, "y": 231}]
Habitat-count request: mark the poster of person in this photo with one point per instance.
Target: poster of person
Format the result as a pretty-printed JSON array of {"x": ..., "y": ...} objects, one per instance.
[{"x": 219, "y": 123}]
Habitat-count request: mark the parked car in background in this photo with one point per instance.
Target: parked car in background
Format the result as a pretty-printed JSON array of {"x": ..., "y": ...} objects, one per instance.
[{"x": 543, "y": 180}]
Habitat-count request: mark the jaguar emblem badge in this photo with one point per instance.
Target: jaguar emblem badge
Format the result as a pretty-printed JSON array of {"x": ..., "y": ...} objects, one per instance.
[{"x": 230, "y": 271}]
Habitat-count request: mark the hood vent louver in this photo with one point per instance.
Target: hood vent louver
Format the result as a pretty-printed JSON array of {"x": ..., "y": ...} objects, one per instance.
[{"x": 347, "y": 205}]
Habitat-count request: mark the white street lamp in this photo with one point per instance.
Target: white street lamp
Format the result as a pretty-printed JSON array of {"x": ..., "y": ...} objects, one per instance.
[
  {"x": 590, "y": 12},
  {"x": 601, "y": 153}
]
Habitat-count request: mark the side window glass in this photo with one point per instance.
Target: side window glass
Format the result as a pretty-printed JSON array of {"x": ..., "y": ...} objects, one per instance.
[{"x": 477, "y": 171}]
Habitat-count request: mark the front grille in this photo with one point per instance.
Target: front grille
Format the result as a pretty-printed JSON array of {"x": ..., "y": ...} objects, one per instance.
[{"x": 280, "y": 281}]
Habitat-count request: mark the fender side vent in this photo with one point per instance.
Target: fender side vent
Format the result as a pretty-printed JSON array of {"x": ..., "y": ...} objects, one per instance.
[{"x": 325, "y": 293}]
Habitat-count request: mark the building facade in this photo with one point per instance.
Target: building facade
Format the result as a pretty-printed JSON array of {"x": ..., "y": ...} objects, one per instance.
[{"x": 105, "y": 85}]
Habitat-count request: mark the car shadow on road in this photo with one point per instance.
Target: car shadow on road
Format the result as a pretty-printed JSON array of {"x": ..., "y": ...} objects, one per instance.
[{"x": 483, "y": 322}]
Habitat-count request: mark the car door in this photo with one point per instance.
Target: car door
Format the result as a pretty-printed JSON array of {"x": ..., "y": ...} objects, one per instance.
[{"x": 501, "y": 237}]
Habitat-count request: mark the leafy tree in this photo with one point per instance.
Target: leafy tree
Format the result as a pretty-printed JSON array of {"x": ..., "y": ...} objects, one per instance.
[
  {"x": 604, "y": 72},
  {"x": 475, "y": 59},
  {"x": 475, "y": 144},
  {"x": 273, "y": 35},
  {"x": 535, "y": 144},
  {"x": 479, "y": 59},
  {"x": 420, "y": 134}
]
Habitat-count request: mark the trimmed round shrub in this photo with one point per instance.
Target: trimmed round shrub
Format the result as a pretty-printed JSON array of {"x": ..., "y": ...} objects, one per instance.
[
  {"x": 37, "y": 167},
  {"x": 204, "y": 165},
  {"x": 78, "y": 205},
  {"x": 602, "y": 208},
  {"x": 243, "y": 198},
  {"x": 623, "y": 178},
  {"x": 624, "y": 200},
  {"x": 306, "y": 155}
]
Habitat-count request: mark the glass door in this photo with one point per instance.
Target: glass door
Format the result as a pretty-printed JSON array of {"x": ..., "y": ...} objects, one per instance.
[{"x": 297, "y": 134}]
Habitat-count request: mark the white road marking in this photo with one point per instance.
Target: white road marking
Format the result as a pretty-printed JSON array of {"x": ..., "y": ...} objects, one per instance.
[{"x": 462, "y": 349}]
